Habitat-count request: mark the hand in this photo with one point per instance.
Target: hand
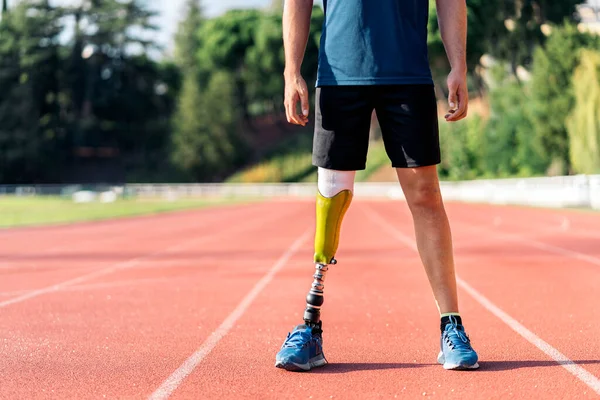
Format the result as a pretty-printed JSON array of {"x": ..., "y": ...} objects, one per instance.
[
  {"x": 296, "y": 91},
  {"x": 458, "y": 97}
]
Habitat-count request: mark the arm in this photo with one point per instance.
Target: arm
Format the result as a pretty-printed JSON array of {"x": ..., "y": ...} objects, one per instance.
[
  {"x": 296, "y": 27},
  {"x": 452, "y": 19}
]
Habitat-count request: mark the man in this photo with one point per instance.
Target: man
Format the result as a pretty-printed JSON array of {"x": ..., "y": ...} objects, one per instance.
[{"x": 373, "y": 56}]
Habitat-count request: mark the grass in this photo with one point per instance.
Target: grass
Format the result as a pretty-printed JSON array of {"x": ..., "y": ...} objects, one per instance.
[{"x": 32, "y": 211}]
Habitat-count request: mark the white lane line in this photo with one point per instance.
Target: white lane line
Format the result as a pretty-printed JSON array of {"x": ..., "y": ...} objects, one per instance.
[
  {"x": 249, "y": 266},
  {"x": 172, "y": 382},
  {"x": 113, "y": 237},
  {"x": 514, "y": 237},
  {"x": 133, "y": 262},
  {"x": 96, "y": 286},
  {"x": 579, "y": 372}
]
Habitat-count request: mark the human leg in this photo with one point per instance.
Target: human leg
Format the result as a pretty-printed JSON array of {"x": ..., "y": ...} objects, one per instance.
[
  {"x": 408, "y": 119},
  {"x": 432, "y": 231}
]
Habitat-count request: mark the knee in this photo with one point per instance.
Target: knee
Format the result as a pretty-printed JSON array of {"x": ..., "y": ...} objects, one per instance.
[{"x": 425, "y": 198}]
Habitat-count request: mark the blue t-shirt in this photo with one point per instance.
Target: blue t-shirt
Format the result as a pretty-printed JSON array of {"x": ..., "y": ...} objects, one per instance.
[{"x": 374, "y": 42}]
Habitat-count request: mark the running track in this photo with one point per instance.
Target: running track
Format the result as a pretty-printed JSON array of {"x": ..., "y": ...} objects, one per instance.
[{"x": 194, "y": 305}]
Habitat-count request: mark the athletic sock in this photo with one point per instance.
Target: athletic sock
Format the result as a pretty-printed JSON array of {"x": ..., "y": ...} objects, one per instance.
[{"x": 446, "y": 320}]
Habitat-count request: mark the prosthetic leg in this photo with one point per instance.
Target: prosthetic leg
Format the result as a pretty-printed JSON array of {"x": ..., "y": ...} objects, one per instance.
[
  {"x": 303, "y": 347},
  {"x": 333, "y": 199}
]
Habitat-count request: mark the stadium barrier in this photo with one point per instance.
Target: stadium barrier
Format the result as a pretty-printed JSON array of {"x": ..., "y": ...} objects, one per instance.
[{"x": 580, "y": 191}]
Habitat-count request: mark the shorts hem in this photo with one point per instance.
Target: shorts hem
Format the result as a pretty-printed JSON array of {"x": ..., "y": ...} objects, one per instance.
[
  {"x": 328, "y": 165},
  {"x": 416, "y": 165}
]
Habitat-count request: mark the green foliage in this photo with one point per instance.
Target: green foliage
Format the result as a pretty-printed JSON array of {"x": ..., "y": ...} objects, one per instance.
[
  {"x": 248, "y": 44},
  {"x": 289, "y": 161},
  {"x": 462, "y": 145},
  {"x": 552, "y": 91},
  {"x": 292, "y": 162},
  {"x": 97, "y": 107},
  {"x": 488, "y": 31},
  {"x": 205, "y": 141},
  {"x": 213, "y": 126},
  {"x": 30, "y": 132},
  {"x": 187, "y": 42},
  {"x": 583, "y": 124},
  {"x": 377, "y": 158},
  {"x": 71, "y": 110},
  {"x": 511, "y": 148},
  {"x": 483, "y": 23},
  {"x": 188, "y": 124}
]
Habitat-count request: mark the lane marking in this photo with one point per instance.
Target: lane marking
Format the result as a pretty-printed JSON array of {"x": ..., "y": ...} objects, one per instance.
[
  {"x": 5, "y": 262},
  {"x": 579, "y": 372},
  {"x": 249, "y": 266},
  {"x": 135, "y": 261},
  {"x": 515, "y": 237},
  {"x": 158, "y": 263},
  {"x": 95, "y": 286},
  {"x": 172, "y": 382}
]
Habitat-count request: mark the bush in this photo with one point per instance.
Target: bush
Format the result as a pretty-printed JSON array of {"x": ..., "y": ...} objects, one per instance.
[
  {"x": 552, "y": 92},
  {"x": 462, "y": 144},
  {"x": 511, "y": 146},
  {"x": 583, "y": 124}
]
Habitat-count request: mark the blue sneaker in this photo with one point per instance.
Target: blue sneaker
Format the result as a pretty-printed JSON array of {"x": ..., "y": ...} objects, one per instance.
[
  {"x": 302, "y": 349},
  {"x": 456, "y": 351}
]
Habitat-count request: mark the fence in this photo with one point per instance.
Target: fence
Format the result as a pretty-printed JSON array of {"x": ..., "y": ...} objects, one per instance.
[{"x": 561, "y": 191}]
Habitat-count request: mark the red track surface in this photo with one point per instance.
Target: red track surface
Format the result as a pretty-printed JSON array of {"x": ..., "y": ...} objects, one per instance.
[{"x": 114, "y": 309}]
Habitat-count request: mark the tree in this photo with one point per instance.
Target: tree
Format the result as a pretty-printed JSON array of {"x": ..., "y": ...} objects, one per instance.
[
  {"x": 462, "y": 145},
  {"x": 276, "y": 6},
  {"x": 583, "y": 124},
  {"x": 225, "y": 42},
  {"x": 552, "y": 92},
  {"x": 205, "y": 143},
  {"x": 188, "y": 124},
  {"x": 483, "y": 22},
  {"x": 187, "y": 42},
  {"x": 115, "y": 97},
  {"x": 508, "y": 30},
  {"x": 248, "y": 44},
  {"x": 510, "y": 148},
  {"x": 30, "y": 132}
]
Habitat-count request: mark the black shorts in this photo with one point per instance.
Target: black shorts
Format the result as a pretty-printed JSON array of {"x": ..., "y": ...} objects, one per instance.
[{"x": 407, "y": 116}]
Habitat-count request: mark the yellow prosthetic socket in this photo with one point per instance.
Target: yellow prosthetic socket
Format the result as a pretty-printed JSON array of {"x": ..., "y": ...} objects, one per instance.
[{"x": 330, "y": 213}]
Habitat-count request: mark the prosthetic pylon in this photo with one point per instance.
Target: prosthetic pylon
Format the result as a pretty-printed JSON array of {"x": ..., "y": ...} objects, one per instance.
[{"x": 330, "y": 213}]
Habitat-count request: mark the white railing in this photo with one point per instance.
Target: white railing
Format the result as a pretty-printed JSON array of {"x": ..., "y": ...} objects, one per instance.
[{"x": 561, "y": 191}]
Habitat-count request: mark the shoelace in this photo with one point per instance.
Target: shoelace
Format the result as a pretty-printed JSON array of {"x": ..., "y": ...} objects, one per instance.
[
  {"x": 457, "y": 332},
  {"x": 297, "y": 339}
]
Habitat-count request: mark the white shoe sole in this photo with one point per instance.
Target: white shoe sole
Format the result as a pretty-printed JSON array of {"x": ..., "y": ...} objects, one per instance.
[
  {"x": 314, "y": 363},
  {"x": 442, "y": 360}
]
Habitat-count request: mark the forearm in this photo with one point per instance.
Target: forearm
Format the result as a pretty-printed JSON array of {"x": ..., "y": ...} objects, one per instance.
[
  {"x": 296, "y": 27},
  {"x": 452, "y": 19}
]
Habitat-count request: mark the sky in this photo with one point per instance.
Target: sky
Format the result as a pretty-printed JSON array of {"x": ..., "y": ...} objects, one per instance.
[{"x": 171, "y": 12}]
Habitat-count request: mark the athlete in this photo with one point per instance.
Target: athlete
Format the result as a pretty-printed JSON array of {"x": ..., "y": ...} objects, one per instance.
[{"x": 373, "y": 57}]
